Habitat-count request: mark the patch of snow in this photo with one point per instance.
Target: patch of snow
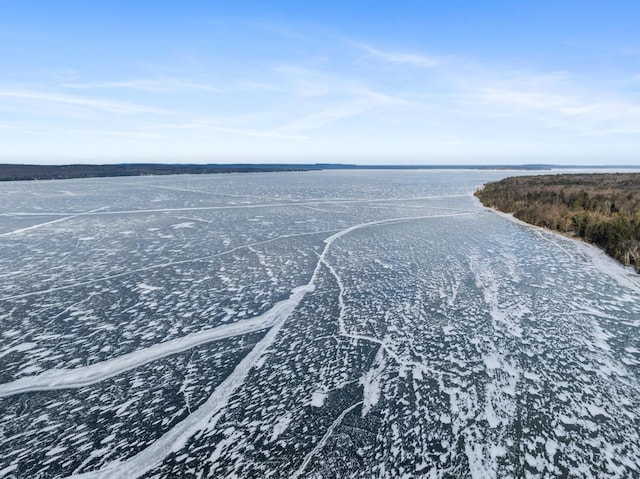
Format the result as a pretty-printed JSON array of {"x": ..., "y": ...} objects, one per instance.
[{"x": 318, "y": 398}]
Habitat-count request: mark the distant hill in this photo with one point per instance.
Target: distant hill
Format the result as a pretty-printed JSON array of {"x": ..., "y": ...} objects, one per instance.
[
  {"x": 603, "y": 209},
  {"x": 13, "y": 172},
  {"x": 9, "y": 172}
]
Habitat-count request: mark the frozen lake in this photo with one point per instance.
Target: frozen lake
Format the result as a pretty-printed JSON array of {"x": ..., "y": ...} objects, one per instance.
[{"x": 318, "y": 324}]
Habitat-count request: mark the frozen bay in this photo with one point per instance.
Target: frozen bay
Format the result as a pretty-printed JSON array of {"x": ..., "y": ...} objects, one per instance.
[{"x": 318, "y": 324}]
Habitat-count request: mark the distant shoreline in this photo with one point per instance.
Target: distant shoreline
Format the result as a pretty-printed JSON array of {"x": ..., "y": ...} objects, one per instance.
[
  {"x": 600, "y": 208},
  {"x": 26, "y": 172},
  {"x": 11, "y": 172}
]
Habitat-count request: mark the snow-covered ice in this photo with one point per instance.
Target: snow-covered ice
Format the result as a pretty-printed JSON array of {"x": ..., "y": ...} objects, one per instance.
[{"x": 325, "y": 324}]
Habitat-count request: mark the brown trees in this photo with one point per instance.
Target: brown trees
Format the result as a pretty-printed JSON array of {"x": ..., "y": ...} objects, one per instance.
[{"x": 603, "y": 209}]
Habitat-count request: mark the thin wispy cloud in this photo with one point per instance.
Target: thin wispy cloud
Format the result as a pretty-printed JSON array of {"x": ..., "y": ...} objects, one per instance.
[
  {"x": 564, "y": 107},
  {"x": 403, "y": 58},
  {"x": 259, "y": 86},
  {"x": 150, "y": 85},
  {"x": 362, "y": 102},
  {"x": 319, "y": 98},
  {"x": 328, "y": 115},
  {"x": 301, "y": 81},
  {"x": 259, "y": 134},
  {"x": 592, "y": 108},
  {"x": 109, "y": 106},
  {"x": 126, "y": 134},
  {"x": 280, "y": 30},
  {"x": 383, "y": 98},
  {"x": 206, "y": 126}
]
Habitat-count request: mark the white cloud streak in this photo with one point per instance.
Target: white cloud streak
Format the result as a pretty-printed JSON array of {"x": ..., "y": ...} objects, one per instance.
[
  {"x": 595, "y": 114},
  {"x": 159, "y": 85},
  {"x": 412, "y": 59},
  {"x": 116, "y": 107},
  {"x": 206, "y": 126},
  {"x": 328, "y": 115}
]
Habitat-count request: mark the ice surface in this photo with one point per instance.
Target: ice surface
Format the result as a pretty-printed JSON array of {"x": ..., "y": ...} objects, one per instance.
[
  {"x": 84, "y": 376},
  {"x": 325, "y": 324}
]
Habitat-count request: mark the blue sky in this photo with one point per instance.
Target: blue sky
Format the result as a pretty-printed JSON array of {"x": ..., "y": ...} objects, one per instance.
[{"x": 359, "y": 81}]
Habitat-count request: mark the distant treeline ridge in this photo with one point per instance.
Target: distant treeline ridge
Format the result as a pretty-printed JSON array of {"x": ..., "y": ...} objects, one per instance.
[
  {"x": 10, "y": 172},
  {"x": 22, "y": 172}
]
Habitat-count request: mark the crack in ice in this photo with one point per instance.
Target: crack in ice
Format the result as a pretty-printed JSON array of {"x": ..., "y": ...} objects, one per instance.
[
  {"x": 323, "y": 441},
  {"x": 40, "y": 225},
  {"x": 230, "y": 207},
  {"x": 207, "y": 414},
  {"x": 84, "y": 376},
  {"x": 160, "y": 266}
]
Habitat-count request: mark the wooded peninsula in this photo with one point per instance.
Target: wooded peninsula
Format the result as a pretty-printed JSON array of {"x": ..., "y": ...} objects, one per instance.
[{"x": 603, "y": 209}]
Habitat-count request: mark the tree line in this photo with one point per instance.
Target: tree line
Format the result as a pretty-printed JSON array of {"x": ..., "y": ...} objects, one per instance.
[{"x": 603, "y": 209}]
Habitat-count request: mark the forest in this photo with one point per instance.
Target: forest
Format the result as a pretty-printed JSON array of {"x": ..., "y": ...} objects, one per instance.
[
  {"x": 17, "y": 172},
  {"x": 603, "y": 208}
]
